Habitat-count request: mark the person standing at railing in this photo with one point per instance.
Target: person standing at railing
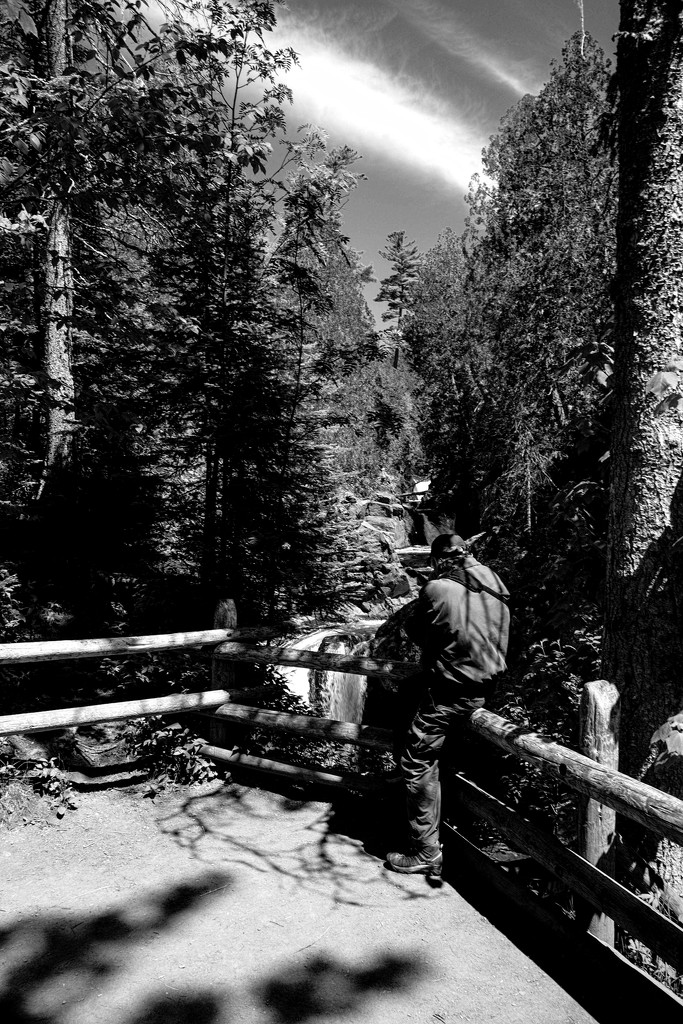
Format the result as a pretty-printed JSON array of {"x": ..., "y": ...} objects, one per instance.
[{"x": 461, "y": 623}]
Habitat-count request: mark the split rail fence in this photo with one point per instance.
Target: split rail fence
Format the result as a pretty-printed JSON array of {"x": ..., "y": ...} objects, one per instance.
[{"x": 603, "y": 790}]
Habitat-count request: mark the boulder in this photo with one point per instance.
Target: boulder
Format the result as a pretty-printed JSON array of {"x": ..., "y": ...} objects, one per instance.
[
  {"x": 395, "y": 583},
  {"x": 424, "y": 527},
  {"x": 376, "y": 508},
  {"x": 393, "y": 528},
  {"x": 372, "y": 572},
  {"x": 415, "y": 557}
]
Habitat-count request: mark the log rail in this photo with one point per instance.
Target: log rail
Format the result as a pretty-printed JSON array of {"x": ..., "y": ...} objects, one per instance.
[{"x": 600, "y": 785}]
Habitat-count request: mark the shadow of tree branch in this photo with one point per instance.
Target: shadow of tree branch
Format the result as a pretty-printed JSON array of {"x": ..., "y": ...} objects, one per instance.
[
  {"x": 325, "y": 985},
  {"x": 361, "y": 829},
  {"x": 52, "y": 962}
]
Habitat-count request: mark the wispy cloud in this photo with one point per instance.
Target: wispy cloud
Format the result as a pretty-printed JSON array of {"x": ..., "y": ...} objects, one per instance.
[
  {"x": 442, "y": 26},
  {"x": 379, "y": 112}
]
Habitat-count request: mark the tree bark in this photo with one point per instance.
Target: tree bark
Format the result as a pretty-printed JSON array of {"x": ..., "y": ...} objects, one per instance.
[
  {"x": 57, "y": 290},
  {"x": 57, "y": 320},
  {"x": 643, "y": 644}
]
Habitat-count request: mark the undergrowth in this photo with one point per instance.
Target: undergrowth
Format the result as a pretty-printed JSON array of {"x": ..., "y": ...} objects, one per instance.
[
  {"x": 172, "y": 751},
  {"x": 30, "y": 793}
]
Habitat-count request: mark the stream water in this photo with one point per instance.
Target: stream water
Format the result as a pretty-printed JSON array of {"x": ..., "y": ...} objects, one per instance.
[{"x": 338, "y": 695}]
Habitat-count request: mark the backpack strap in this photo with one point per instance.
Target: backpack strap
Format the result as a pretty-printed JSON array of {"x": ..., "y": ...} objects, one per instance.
[{"x": 474, "y": 585}]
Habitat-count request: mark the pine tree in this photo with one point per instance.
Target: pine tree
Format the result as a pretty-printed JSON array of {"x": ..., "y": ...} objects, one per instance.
[
  {"x": 510, "y": 323},
  {"x": 198, "y": 357},
  {"x": 396, "y": 290}
]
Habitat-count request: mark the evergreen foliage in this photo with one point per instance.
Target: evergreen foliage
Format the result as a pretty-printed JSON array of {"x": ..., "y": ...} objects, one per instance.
[
  {"x": 229, "y": 386},
  {"x": 510, "y": 331},
  {"x": 203, "y": 332},
  {"x": 396, "y": 290}
]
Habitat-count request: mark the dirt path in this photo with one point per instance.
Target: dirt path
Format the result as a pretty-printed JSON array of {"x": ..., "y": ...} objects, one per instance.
[{"x": 237, "y": 907}]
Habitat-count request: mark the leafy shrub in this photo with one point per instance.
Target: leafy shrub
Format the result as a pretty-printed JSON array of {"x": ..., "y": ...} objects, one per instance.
[
  {"x": 48, "y": 779},
  {"x": 172, "y": 750},
  {"x": 544, "y": 695}
]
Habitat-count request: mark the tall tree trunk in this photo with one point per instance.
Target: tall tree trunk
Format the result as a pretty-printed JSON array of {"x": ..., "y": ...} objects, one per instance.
[
  {"x": 643, "y": 649},
  {"x": 57, "y": 341},
  {"x": 57, "y": 281}
]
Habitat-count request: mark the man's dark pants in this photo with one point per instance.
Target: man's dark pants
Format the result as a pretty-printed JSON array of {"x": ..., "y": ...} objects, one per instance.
[{"x": 443, "y": 708}]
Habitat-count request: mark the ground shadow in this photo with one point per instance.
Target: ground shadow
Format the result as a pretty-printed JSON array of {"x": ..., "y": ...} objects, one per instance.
[
  {"x": 51, "y": 962},
  {"x": 182, "y": 1008},
  {"x": 322, "y": 988},
  {"x": 326, "y": 985},
  {"x": 368, "y": 824}
]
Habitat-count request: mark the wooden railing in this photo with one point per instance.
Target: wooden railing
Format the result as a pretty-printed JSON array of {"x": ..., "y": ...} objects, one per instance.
[{"x": 602, "y": 788}]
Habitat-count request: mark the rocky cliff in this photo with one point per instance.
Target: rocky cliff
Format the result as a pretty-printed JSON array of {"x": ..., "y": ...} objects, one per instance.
[{"x": 385, "y": 553}]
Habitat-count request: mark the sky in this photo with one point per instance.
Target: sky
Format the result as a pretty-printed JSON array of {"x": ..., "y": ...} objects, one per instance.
[{"x": 417, "y": 88}]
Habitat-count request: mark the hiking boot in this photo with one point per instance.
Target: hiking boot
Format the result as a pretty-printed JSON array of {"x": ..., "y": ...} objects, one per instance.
[{"x": 420, "y": 862}]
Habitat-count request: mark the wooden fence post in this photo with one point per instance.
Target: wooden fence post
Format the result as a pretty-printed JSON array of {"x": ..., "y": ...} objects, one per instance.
[
  {"x": 599, "y": 740},
  {"x": 223, "y": 673}
]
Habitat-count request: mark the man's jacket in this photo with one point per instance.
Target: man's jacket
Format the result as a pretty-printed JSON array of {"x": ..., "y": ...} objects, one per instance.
[{"x": 461, "y": 622}]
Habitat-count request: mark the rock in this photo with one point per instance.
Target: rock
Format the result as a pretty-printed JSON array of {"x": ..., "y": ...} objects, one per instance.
[
  {"x": 423, "y": 528},
  {"x": 393, "y": 528},
  {"x": 365, "y": 525},
  {"x": 380, "y": 522},
  {"x": 372, "y": 572},
  {"x": 375, "y": 508},
  {"x": 390, "y": 642},
  {"x": 374, "y": 542},
  {"x": 432, "y": 528},
  {"x": 28, "y": 748},
  {"x": 416, "y": 557},
  {"x": 131, "y": 776},
  {"x": 395, "y": 583},
  {"x": 400, "y": 587}
]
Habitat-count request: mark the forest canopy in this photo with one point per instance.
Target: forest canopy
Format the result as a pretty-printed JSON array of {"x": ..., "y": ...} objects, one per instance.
[
  {"x": 197, "y": 403},
  {"x": 181, "y": 307},
  {"x": 192, "y": 381}
]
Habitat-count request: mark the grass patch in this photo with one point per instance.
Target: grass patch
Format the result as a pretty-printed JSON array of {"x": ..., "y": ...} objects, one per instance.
[{"x": 21, "y": 805}]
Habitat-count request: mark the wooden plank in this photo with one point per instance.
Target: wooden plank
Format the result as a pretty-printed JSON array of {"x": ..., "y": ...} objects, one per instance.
[
  {"x": 599, "y": 732},
  {"x": 67, "y": 718},
  {"x": 304, "y": 725},
  {"x": 600, "y": 978},
  {"x": 641, "y": 920},
  {"x": 120, "y": 646},
  {"x": 314, "y": 659},
  {"x": 480, "y": 870},
  {"x": 650, "y": 807},
  {"x": 295, "y": 773}
]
